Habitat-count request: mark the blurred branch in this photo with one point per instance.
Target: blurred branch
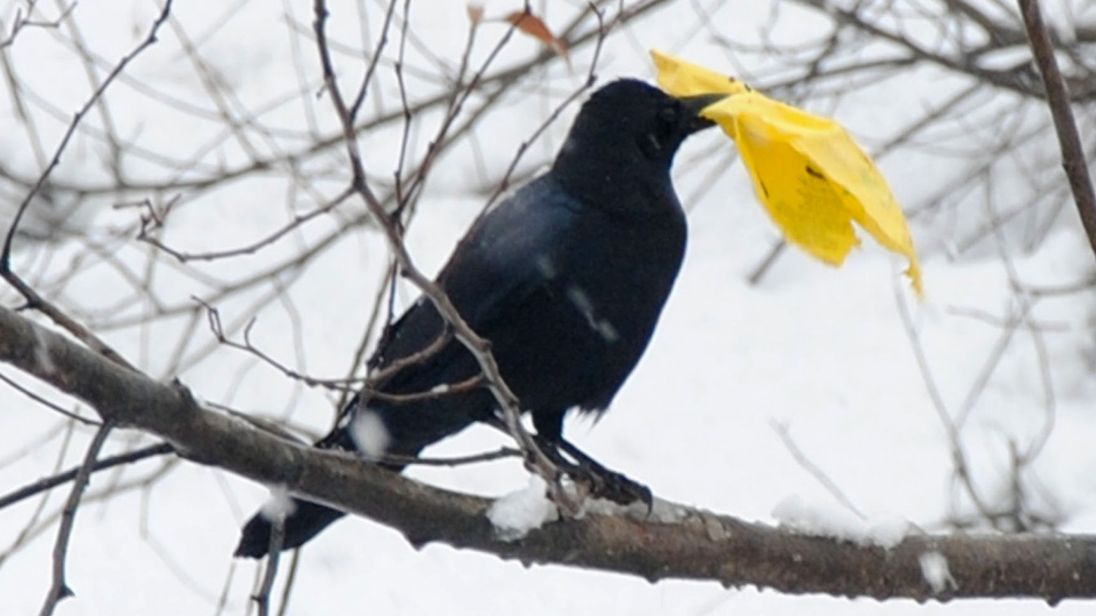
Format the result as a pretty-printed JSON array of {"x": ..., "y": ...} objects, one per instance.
[
  {"x": 277, "y": 537},
  {"x": 820, "y": 475},
  {"x": 23, "y": 20},
  {"x": 871, "y": 19},
  {"x": 502, "y": 79},
  {"x": 152, "y": 220},
  {"x": 46, "y": 403},
  {"x": 48, "y": 483},
  {"x": 59, "y": 589},
  {"x": 33, "y": 299},
  {"x": 952, "y": 427},
  {"x": 29, "y": 530},
  {"x": 1058, "y": 98},
  {"x": 685, "y": 543}
]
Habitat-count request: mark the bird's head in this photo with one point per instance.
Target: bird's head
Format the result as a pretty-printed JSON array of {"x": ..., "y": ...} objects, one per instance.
[{"x": 629, "y": 128}]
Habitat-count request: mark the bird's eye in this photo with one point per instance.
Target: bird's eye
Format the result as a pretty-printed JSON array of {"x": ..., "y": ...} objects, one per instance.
[
  {"x": 667, "y": 120},
  {"x": 666, "y": 125}
]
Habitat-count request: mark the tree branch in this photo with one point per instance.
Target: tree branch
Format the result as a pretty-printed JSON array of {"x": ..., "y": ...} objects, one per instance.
[
  {"x": 59, "y": 588},
  {"x": 692, "y": 545},
  {"x": 48, "y": 483},
  {"x": 479, "y": 348},
  {"x": 33, "y": 299},
  {"x": 1073, "y": 153}
]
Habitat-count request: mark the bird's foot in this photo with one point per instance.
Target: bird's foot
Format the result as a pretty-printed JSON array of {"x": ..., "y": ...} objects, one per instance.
[
  {"x": 611, "y": 485},
  {"x": 599, "y": 482}
]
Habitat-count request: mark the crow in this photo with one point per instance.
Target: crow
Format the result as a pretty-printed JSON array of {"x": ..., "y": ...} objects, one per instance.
[{"x": 566, "y": 279}]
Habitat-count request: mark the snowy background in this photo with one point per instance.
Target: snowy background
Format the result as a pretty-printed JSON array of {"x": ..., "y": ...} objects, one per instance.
[{"x": 821, "y": 353}]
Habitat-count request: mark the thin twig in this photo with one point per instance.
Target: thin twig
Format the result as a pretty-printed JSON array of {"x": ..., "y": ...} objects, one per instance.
[
  {"x": 1027, "y": 307},
  {"x": 812, "y": 468},
  {"x": 222, "y": 599},
  {"x": 277, "y": 538},
  {"x": 48, "y": 483},
  {"x": 958, "y": 456},
  {"x": 290, "y": 580},
  {"x": 488, "y": 456},
  {"x": 766, "y": 262},
  {"x": 366, "y": 340},
  {"x": 23, "y": 20},
  {"x": 363, "y": 89},
  {"x": 148, "y": 224},
  {"x": 477, "y": 346},
  {"x": 372, "y": 384},
  {"x": 29, "y": 530},
  {"x": 46, "y": 403},
  {"x": 216, "y": 175},
  {"x": 34, "y": 300},
  {"x": 591, "y": 79},
  {"x": 59, "y": 588}
]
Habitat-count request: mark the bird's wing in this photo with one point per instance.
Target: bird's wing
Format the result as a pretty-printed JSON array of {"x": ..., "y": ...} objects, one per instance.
[{"x": 504, "y": 257}]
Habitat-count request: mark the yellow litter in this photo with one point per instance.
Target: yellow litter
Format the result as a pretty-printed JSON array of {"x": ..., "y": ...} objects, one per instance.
[{"x": 810, "y": 175}]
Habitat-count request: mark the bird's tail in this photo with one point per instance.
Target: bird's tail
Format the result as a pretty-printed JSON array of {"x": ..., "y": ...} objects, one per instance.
[
  {"x": 305, "y": 521},
  {"x": 408, "y": 432}
]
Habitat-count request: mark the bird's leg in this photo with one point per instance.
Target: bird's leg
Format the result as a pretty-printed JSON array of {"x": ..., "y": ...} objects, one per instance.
[
  {"x": 604, "y": 483},
  {"x": 581, "y": 468}
]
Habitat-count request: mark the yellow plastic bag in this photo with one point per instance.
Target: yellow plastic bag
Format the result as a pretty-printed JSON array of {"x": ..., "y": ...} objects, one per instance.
[{"x": 810, "y": 175}]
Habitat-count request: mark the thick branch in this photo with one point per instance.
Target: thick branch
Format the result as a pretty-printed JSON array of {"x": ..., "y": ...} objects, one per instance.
[{"x": 699, "y": 545}]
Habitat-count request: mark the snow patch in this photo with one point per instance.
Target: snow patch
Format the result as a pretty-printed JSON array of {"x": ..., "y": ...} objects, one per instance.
[
  {"x": 278, "y": 506},
  {"x": 517, "y": 513},
  {"x": 885, "y": 531},
  {"x": 796, "y": 514},
  {"x": 934, "y": 568},
  {"x": 661, "y": 511},
  {"x": 369, "y": 433}
]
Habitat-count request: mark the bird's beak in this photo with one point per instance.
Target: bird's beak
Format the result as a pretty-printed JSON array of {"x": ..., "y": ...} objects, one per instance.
[{"x": 695, "y": 104}]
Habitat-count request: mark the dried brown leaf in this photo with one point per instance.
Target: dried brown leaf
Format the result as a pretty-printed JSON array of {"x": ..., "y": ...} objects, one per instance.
[{"x": 535, "y": 27}]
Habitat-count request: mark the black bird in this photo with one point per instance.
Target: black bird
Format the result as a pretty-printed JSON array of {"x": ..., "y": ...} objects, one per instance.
[{"x": 566, "y": 279}]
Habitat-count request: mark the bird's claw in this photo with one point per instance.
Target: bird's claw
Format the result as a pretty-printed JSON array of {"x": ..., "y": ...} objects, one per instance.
[
  {"x": 613, "y": 486},
  {"x": 624, "y": 491},
  {"x": 599, "y": 482}
]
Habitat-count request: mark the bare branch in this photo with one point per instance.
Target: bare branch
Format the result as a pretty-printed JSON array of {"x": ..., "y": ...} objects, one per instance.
[
  {"x": 151, "y": 222},
  {"x": 46, "y": 403},
  {"x": 23, "y": 20},
  {"x": 48, "y": 483},
  {"x": 814, "y": 470},
  {"x": 290, "y": 579},
  {"x": 1073, "y": 153},
  {"x": 477, "y": 346},
  {"x": 59, "y": 588},
  {"x": 34, "y": 300},
  {"x": 28, "y": 531},
  {"x": 277, "y": 537}
]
